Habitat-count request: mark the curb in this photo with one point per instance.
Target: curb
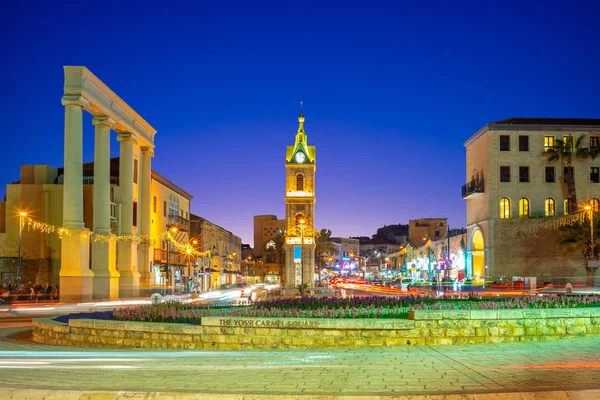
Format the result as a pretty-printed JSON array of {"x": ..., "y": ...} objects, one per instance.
[{"x": 51, "y": 394}]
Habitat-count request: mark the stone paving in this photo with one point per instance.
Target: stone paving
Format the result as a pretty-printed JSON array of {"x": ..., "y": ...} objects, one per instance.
[{"x": 542, "y": 366}]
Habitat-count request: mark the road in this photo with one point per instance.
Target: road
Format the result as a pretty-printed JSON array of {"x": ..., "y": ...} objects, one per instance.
[{"x": 572, "y": 364}]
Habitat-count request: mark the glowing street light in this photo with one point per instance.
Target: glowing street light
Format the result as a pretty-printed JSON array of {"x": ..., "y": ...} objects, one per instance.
[{"x": 22, "y": 215}]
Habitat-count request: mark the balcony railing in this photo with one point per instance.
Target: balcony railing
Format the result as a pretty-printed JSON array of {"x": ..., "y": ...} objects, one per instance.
[
  {"x": 175, "y": 257},
  {"x": 178, "y": 221},
  {"x": 473, "y": 189}
]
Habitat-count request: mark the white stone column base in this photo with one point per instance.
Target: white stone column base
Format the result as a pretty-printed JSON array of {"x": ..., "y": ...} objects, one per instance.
[
  {"x": 104, "y": 266},
  {"x": 129, "y": 281},
  {"x": 106, "y": 286},
  {"x": 76, "y": 278}
]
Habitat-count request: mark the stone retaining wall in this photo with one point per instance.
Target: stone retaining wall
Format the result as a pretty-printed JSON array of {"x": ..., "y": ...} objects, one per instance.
[{"x": 233, "y": 333}]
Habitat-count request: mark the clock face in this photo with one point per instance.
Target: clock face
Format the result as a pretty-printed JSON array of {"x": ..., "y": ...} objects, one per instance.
[{"x": 300, "y": 157}]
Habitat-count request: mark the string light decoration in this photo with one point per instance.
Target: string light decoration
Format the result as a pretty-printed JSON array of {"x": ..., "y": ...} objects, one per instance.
[
  {"x": 37, "y": 226},
  {"x": 533, "y": 225}
]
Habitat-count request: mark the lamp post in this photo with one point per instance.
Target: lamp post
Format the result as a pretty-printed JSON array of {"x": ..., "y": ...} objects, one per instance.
[
  {"x": 22, "y": 215},
  {"x": 172, "y": 230},
  {"x": 592, "y": 265}
]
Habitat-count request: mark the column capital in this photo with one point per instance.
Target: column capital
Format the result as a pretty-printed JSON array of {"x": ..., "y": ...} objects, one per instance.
[
  {"x": 75, "y": 101},
  {"x": 147, "y": 151},
  {"x": 126, "y": 137},
  {"x": 103, "y": 121}
]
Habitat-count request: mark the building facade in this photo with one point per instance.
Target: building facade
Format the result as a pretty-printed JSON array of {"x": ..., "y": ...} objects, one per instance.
[
  {"x": 511, "y": 184},
  {"x": 223, "y": 263},
  {"x": 265, "y": 228},
  {"x": 300, "y": 167},
  {"x": 39, "y": 192},
  {"x": 423, "y": 229}
]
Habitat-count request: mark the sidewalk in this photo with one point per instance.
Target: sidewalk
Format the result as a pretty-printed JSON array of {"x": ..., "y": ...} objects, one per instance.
[{"x": 565, "y": 369}]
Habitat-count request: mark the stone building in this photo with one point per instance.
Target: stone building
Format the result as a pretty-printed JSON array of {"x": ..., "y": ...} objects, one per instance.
[
  {"x": 265, "y": 228},
  {"x": 348, "y": 246},
  {"x": 511, "y": 184},
  {"x": 222, "y": 265},
  {"x": 39, "y": 192},
  {"x": 421, "y": 230}
]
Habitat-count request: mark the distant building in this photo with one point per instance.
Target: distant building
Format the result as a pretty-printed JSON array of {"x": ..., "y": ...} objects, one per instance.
[
  {"x": 265, "y": 228},
  {"x": 347, "y": 245},
  {"x": 225, "y": 252},
  {"x": 394, "y": 233},
  {"x": 421, "y": 230}
]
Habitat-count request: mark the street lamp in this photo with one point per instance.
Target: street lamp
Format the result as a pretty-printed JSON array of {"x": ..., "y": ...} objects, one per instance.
[
  {"x": 172, "y": 230},
  {"x": 22, "y": 215}
]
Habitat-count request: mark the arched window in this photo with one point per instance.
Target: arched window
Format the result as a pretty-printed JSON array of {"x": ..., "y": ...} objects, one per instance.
[
  {"x": 300, "y": 182},
  {"x": 299, "y": 217},
  {"x": 550, "y": 207},
  {"x": 568, "y": 206},
  {"x": 595, "y": 204},
  {"x": 504, "y": 208},
  {"x": 524, "y": 207}
]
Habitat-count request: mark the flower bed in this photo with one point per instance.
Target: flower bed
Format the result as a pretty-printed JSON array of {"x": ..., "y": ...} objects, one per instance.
[{"x": 336, "y": 308}]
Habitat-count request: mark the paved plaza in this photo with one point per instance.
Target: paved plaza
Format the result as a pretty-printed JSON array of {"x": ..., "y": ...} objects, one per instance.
[{"x": 543, "y": 366}]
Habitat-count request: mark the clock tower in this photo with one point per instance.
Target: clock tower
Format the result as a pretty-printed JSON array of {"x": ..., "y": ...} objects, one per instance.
[{"x": 300, "y": 168}]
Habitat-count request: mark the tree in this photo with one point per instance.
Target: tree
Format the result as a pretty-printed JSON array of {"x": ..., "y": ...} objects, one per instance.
[
  {"x": 576, "y": 239},
  {"x": 279, "y": 240},
  {"x": 564, "y": 152},
  {"x": 323, "y": 247}
]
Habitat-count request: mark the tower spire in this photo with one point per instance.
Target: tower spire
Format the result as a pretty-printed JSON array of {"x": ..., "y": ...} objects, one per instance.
[{"x": 301, "y": 120}]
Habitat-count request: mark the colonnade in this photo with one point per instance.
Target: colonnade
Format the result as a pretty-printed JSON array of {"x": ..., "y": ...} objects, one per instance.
[{"x": 116, "y": 267}]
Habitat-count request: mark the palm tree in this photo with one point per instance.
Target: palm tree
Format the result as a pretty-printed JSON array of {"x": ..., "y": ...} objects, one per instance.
[
  {"x": 563, "y": 151},
  {"x": 323, "y": 247},
  {"x": 279, "y": 240},
  {"x": 576, "y": 239}
]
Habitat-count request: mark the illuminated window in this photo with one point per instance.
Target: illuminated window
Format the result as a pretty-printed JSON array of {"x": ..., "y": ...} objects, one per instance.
[
  {"x": 504, "y": 208},
  {"x": 524, "y": 207},
  {"x": 593, "y": 142},
  {"x": 548, "y": 143},
  {"x": 300, "y": 182},
  {"x": 568, "y": 141},
  {"x": 550, "y": 207},
  {"x": 568, "y": 206},
  {"x": 595, "y": 204}
]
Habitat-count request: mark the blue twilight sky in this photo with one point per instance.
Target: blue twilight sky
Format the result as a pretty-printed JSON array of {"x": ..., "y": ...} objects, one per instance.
[{"x": 390, "y": 90}]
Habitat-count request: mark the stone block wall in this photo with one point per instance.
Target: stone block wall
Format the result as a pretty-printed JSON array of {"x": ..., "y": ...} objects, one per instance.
[{"x": 236, "y": 333}]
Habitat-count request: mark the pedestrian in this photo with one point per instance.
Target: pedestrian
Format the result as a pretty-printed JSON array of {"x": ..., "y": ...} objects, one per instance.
[
  {"x": 47, "y": 291},
  {"x": 55, "y": 292},
  {"x": 23, "y": 293}
]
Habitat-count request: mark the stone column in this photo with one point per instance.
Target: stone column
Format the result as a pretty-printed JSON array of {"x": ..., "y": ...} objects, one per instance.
[
  {"x": 76, "y": 278},
  {"x": 106, "y": 277},
  {"x": 127, "y": 250},
  {"x": 145, "y": 201}
]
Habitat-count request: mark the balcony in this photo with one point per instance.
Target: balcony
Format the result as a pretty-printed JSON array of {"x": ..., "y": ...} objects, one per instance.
[
  {"x": 473, "y": 189},
  {"x": 178, "y": 221},
  {"x": 175, "y": 257}
]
